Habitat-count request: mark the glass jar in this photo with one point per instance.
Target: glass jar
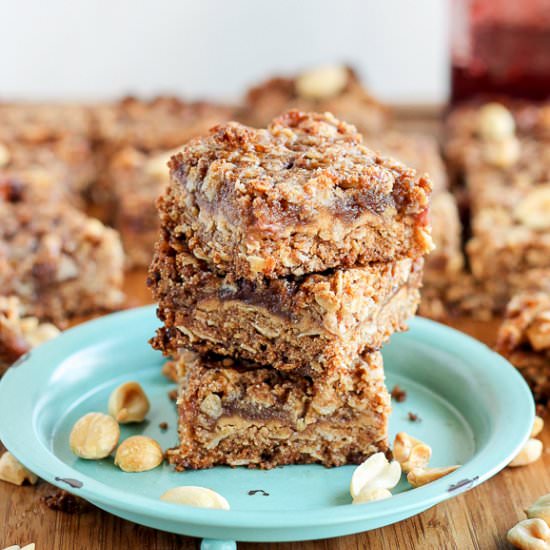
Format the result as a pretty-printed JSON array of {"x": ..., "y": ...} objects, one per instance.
[{"x": 500, "y": 48}]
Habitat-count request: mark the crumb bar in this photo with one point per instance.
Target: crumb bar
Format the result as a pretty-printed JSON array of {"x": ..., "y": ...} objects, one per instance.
[
  {"x": 68, "y": 161},
  {"x": 137, "y": 180},
  {"x": 52, "y": 137},
  {"x": 302, "y": 196},
  {"x": 241, "y": 415},
  {"x": 511, "y": 217},
  {"x": 447, "y": 289},
  {"x": 335, "y": 89},
  {"x": 303, "y": 324},
  {"x": 524, "y": 339},
  {"x": 56, "y": 260},
  {"x": 503, "y": 158}
]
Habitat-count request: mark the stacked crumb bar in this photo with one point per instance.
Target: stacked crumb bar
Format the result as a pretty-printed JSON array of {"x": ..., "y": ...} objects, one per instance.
[
  {"x": 287, "y": 257},
  {"x": 337, "y": 89}
]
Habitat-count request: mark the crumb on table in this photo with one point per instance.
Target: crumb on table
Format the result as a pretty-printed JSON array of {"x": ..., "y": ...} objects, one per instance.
[{"x": 63, "y": 501}]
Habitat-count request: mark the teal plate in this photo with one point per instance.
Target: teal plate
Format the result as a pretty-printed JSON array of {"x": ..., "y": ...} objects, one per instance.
[{"x": 474, "y": 409}]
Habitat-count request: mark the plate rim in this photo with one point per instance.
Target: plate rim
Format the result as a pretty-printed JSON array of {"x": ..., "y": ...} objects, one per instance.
[{"x": 43, "y": 461}]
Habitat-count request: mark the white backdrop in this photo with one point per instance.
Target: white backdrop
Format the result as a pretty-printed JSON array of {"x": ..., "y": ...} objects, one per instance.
[{"x": 70, "y": 49}]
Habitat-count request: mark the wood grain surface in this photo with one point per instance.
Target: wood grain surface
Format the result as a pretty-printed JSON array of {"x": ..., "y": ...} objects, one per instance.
[{"x": 477, "y": 519}]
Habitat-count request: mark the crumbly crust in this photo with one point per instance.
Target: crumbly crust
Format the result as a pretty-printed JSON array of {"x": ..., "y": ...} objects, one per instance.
[
  {"x": 305, "y": 324},
  {"x": 58, "y": 261},
  {"x": 302, "y": 196},
  {"x": 241, "y": 415},
  {"x": 352, "y": 103},
  {"x": 524, "y": 339}
]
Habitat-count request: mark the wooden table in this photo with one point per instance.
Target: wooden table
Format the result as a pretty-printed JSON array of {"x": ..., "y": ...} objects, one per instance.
[{"x": 477, "y": 519}]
